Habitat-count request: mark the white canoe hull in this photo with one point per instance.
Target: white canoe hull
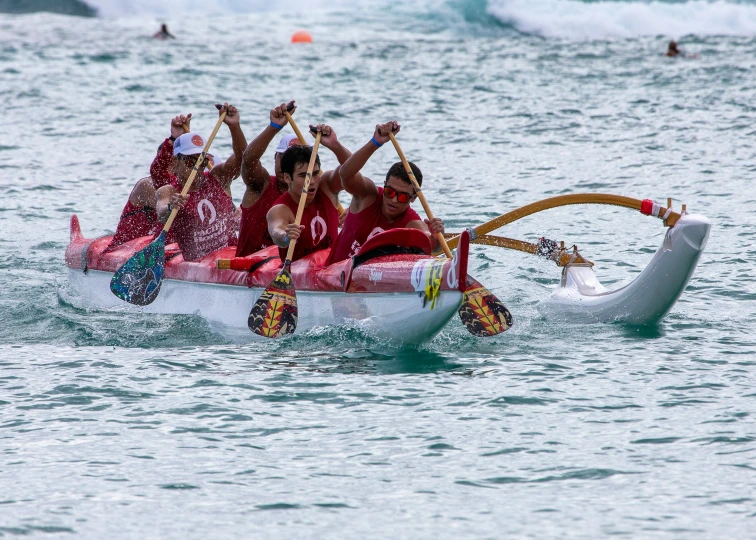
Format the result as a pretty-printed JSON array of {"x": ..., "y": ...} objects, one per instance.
[
  {"x": 648, "y": 298},
  {"x": 400, "y": 317}
]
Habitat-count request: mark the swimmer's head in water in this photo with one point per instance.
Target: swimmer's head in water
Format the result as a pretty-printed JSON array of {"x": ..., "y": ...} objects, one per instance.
[{"x": 673, "y": 46}]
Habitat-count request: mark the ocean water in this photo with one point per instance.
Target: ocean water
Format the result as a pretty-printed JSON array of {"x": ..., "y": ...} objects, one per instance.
[{"x": 122, "y": 425}]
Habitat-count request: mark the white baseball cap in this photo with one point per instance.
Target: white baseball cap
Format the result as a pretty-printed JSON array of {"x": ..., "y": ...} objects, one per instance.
[
  {"x": 287, "y": 141},
  {"x": 188, "y": 144}
]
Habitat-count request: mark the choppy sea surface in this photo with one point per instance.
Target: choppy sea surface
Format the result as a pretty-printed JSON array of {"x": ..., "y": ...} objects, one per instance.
[{"x": 116, "y": 425}]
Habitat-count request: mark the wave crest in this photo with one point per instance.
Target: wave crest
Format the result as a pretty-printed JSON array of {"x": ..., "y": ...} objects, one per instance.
[
  {"x": 573, "y": 19},
  {"x": 568, "y": 19}
]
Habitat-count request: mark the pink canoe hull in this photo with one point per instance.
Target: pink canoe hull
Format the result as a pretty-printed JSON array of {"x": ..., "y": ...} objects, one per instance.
[{"x": 404, "y": 297}]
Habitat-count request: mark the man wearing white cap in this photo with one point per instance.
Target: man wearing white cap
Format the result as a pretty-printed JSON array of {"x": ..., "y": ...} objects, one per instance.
[
  {"x": 204, "y": 222},
  {"x": 263, "y": 188}
]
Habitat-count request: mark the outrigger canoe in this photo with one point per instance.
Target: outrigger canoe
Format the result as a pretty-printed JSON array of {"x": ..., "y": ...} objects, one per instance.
[{"x": 393, "y": 287}]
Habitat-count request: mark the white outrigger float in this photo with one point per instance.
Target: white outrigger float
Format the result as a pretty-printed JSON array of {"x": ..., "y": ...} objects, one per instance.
[
  {"x": 580, "y": 297},
  {"x": 393, "y": 287}
]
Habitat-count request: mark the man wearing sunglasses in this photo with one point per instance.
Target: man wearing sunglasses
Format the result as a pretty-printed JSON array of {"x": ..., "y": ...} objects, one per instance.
[
  {"x": 204, "y": 222},
  {"x": 376, "y": 209},
  {"x": 138, "y": 217}
]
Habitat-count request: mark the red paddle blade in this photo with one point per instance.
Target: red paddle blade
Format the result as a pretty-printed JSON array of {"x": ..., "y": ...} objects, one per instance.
[
  {"x": 481, "y": 312},
  {"x": 275, "y": 312}
]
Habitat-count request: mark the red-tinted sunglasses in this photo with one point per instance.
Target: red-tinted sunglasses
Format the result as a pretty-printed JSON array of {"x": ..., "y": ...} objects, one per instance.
[{"x": 401, "y": 196}]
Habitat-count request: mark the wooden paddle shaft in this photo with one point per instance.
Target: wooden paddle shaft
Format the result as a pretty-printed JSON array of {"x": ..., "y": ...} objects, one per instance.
[
  {"x": 303, "y": 196},
  {"x": 439, "y": 236},
  {"x": 200, "y": 160},
  {"x": 298, "y": 133}
]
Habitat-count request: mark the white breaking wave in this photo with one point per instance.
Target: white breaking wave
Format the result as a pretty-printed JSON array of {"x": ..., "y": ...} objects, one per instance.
[{"x": 573, "y": 19}]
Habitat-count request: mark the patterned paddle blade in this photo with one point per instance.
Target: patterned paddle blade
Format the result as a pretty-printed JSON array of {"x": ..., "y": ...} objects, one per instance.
[
  {"x": 275, "y": 312},
  {"x": 138, "y": 280},
  {"x": 481, "y": 312}
]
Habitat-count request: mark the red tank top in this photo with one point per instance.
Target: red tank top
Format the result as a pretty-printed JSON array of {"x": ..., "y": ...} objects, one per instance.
[
  {"x": 204, "y": 224},
  {"x": 321, "y": 225},
  {"x": 253, "y": 232},
  {"x": 135, "y": 222},
  {"x": 360, "y": 227}
]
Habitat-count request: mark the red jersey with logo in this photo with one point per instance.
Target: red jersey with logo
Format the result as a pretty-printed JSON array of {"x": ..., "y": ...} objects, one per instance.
[
  {"x": 205, "y": 223},
  {"x": 360, "y": 227},
  {"x": 253, "y": 232},
  {"x": 135, "y": 222},
  {"x": 321, "y": 225}
]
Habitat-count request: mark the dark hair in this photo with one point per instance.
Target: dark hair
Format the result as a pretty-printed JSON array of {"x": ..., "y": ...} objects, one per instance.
[
  {"x": 397, "y": 169},
  {"x": 294, "y": 156}
]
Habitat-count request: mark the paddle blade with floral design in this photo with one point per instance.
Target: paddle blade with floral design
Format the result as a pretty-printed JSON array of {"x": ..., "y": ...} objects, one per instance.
[
  {"x": 275, "y": 312},
  {"x": 481, "y": 312}
]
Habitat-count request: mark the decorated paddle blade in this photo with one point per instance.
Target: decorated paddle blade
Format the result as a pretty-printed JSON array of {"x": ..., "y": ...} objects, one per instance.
[
  {"x": 275, "y": 312},
  {"x": 138, "y": 280},
  {"x": 481, "y": 312}
]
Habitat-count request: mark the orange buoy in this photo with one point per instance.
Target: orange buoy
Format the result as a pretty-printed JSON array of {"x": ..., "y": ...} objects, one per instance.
[{"x": 301, "y": 36}]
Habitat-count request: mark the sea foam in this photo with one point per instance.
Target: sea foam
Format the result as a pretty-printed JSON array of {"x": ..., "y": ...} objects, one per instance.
[{"x": 573, "y": 19}]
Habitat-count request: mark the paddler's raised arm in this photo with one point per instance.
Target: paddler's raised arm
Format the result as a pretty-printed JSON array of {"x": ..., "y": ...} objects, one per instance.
[
  {"x": 351, "y": 178},
  {"x": 253, "y": 173},
  {"x": 160, "y": 168},
  {"x": 229, "y": 170}
]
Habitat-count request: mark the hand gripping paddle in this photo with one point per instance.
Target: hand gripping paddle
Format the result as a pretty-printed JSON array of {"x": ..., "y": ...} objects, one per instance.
[
  {"x": 138, "y": 281},
  {"x": 481, "y": 312},
  {"x": 275, "y": 312}
]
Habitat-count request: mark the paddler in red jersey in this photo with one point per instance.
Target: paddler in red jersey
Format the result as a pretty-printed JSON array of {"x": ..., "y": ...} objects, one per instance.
[
  {"x": 320, "y": 220},
  {"x": 204, "y": 222},
  {"x": 376, "y": 209},
  {"x": 263, "y": 189},
  {"x": 138, "y": 217}
]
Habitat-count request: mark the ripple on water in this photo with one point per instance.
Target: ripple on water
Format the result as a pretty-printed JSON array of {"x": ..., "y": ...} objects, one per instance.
[{"x": 116, "y": 423}]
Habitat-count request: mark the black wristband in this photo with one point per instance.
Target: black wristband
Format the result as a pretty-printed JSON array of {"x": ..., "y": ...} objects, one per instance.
[{"x": 172, "y": 138}]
